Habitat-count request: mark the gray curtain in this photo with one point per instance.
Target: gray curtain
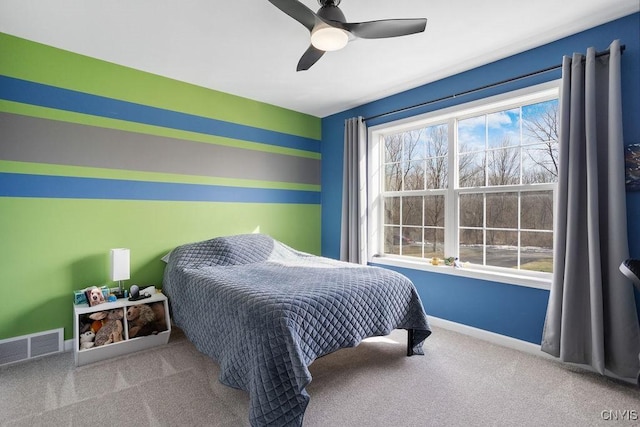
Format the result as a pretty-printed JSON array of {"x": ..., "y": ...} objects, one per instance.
[
  {"x": 353, "y": 240},
  {"x": 591, "y": 317}
]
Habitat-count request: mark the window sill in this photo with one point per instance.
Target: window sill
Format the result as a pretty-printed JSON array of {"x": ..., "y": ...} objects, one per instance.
[{"x": 472, "y": 273}]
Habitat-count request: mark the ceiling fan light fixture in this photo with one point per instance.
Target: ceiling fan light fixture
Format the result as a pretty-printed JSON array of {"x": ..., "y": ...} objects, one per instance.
[
  {"x": 328, "y": 38},
  {"x": 330, "y": 30}
]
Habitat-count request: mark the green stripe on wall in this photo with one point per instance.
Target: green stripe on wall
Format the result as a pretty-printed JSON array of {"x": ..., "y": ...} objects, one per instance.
[
  {"x": 88, "y": 172},
  {"x": 52, "y": 246},
  {"x": 85, "y": 119},
  {"x": 24, "y": 59}
]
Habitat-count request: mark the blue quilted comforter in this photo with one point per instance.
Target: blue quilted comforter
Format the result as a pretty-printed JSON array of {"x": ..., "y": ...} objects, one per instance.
[{"x": 265, "y": 312}]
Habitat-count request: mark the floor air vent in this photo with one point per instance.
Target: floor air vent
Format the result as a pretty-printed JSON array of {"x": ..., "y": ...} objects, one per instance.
[{"x": 29, "y": 346}]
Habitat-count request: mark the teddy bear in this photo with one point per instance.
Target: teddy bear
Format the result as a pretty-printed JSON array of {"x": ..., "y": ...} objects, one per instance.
[
  {"x": 111, "y": 330},
  {"x": 86, "y": 340},
  {"x": 141, "y": 319}
]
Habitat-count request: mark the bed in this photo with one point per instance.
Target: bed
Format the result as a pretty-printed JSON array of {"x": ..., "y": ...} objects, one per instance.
[{"x": 265, "y": 312}]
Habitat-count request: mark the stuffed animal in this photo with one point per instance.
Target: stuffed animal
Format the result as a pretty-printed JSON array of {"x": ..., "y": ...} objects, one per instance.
[
  {"x": 111, "y": 330},
  {"x": 86, "y": 340},
  {"x": 96, "y": 325},
  {"x": 158, "y": 309},
  {"x": 141, "y": 319}
]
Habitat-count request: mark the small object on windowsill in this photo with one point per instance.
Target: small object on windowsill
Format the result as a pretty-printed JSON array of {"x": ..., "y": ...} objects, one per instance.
[
  {"x": 453, "y": 262},
  {"x": 435, "y": 261}
]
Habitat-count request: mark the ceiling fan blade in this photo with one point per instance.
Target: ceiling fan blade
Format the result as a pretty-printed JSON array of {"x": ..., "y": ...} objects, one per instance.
[
  {"x": 385, "y": 28},
  {"x": 309, "y": 58},
  {"x": 297, "y": 11}
]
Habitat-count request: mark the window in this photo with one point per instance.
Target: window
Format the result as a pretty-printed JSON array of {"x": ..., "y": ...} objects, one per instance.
[{"x": 475, "y": 182}]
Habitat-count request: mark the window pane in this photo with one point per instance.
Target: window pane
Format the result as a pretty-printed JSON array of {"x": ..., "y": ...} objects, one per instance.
[
  {"x": 504, "y": 166},
  {"x": 471, "y": 246},
  {"x": 433, "y": 242},
  {"x": 502, "y": 248},
  {"x": 412, "y": 241},
  {"x": 414, "y": 145},
  {"x": 392, "y": 240},
  {"x": 540, "y": 163},
  {"x": 412, "y": 211},
  {"x": 540, "y": 122},
  {"x": 393, "y": 177},
  {"x": 414, "y": 176},
  {"x": 436, "y": 172},
  {"x": 504, "y": 128},
  {"x": 502, "y": 210},
  {"x": 471, "y": 169},
  {"x": 471, "y": 210},
  {"x": 536, "y": 251},
  {"x": 392, "y": 210},
  {"x": 472, "y": 134},
  {"x": 437, "y": 139},
  {"x": 393, "y": 148},
  {"x": 536, "y": 210},
  {"x": 434, "y": 211}
]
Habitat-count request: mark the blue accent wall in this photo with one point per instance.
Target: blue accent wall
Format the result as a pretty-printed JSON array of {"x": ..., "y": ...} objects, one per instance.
[
  {"x": 513, "y": 311},
  {"x": 504, "y": 309}
]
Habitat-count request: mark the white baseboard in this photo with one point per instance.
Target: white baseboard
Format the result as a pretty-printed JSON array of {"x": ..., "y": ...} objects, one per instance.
[
  {"x": 513, "y": 343},
  {"x": 68, "y": 345},
  {"x": 491, "y": 337}
]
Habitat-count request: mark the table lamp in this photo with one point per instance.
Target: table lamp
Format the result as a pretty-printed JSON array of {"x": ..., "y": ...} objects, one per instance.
[{"x": 120, "y": 268}]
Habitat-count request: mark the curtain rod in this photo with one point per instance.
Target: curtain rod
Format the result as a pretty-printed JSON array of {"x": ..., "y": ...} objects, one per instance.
[{"x": 481, "y": 88}]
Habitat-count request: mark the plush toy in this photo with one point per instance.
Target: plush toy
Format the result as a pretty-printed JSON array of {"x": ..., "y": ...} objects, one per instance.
[
  {"x": 96, "y": 325},
  {"x": 158, "y": 309},
  {"x": 141, "y": 319},
  {"x": 111, "y": 330},
  {"x": 86, "y": 340}
]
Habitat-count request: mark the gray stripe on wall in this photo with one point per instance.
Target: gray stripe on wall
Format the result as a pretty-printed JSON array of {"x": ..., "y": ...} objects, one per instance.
[{"x": 29, "y": 139}]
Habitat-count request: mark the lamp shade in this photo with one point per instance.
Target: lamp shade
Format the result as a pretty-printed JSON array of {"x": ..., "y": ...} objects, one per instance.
[
  {"x": 119, "y": 264},
  {"x": 328, "y": 38}
]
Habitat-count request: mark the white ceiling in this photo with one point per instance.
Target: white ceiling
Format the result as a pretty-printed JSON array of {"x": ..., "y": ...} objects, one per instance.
[{"x": 250, "y": 48}]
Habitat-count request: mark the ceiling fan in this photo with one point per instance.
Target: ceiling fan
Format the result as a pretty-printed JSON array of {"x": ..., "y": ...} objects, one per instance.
[{"x": 330, "y": 31}]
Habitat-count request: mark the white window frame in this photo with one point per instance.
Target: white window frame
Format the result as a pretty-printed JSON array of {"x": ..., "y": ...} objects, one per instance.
[{"x": 375, "y": 253}]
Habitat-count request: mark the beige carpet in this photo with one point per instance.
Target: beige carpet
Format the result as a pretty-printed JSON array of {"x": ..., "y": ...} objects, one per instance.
[{"x": 460, "y": 381}]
